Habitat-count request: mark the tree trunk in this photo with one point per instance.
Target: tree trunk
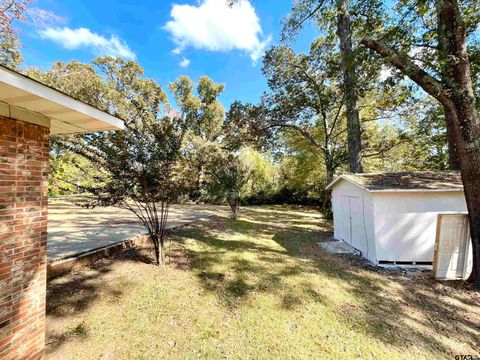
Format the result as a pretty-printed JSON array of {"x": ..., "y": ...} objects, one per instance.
[
  {"x": 161, "y": 258},
  {"x": 234, "y": 208},
  {"x": 327, "y": 193},
  {"x": 450, "y": 117},
  {"x": 154, "y": 238},
  {"x": 349, "y": 87},
  {"x": 469, "y": 156},
  {"x": 466, "y": 127}
]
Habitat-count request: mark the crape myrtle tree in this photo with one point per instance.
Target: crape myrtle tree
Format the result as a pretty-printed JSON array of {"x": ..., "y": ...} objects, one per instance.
[
  {"x": 430, "y": 42},
  {"x": 133, "y": 168},
  {"x": 226, "y": 180}
]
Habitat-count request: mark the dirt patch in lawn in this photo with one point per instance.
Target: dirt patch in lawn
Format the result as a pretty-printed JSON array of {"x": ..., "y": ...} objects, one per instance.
[{"x": 258, "y": 287}]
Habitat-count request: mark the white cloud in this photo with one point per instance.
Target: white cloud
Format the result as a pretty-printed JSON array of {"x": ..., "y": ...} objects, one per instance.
[
  {"x": 84, "y": 38},
  {"x": 216, "y": 26},
  {"x": 42, "y": 18},
  {"x": 185, "y": 62}
]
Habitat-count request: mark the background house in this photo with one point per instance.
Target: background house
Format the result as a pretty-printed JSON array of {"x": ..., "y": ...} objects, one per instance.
[{"x": 392, "y": 217}]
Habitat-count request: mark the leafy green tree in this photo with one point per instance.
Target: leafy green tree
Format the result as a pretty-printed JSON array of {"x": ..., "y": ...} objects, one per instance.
[
  {"x": 306, "y": 97},
  {"x": 302, "y": 170},
  {"x": 226, "y": 181},
  {"x": 10, "y": 55},
  {"x": 264, "y": 179},
  {"x": 81, "y": 81},
  {"x": 413, "y": 32},
  {"x": 428, "y": 146},
  {"x": 201, "y": 108},
  {"x": 244, "y": 126},
  {"x": 11, "y": 11},
  {"x": 69, "y": 174}
]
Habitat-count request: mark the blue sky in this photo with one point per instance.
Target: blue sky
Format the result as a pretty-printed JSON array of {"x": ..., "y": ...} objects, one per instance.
[{"x": 224, "y": 44}]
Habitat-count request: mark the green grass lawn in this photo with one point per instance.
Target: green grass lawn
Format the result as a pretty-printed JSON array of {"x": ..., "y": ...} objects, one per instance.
[{"x": 258, "y": 287}]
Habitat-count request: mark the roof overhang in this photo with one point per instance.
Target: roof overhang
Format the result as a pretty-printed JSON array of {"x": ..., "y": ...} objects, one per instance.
[
  {"x": 389, "y": 190},
  {"x": 341, "y": 177},
  {"x": 413, "y": 190},
  {"x": 26, "y": 99}
]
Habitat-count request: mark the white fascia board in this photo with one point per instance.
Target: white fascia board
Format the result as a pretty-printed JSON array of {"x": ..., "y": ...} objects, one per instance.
[
  {"x": 416, "y": 190},
  {"x": 36, "y": 88},
  {"x": 342, "y": 177}
]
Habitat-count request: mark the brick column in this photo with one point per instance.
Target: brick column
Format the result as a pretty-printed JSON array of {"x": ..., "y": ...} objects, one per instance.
[{"x": 23, "y": 238}]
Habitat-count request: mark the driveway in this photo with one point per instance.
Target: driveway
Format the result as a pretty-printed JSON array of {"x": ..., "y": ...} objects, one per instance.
[{"x": 73, "y": 230}]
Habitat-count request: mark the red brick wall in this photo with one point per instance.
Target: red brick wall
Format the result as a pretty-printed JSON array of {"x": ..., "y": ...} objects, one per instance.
[{"x": 23, "y": 238}]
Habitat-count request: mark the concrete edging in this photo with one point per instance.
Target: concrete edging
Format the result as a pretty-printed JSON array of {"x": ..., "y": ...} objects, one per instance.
[
  {"x": 78, "y": 261},
  {"x": 64, "y": 266}
]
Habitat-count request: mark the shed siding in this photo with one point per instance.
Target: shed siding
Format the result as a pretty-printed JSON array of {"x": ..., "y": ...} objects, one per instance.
[{"x": 405, "y": 223}]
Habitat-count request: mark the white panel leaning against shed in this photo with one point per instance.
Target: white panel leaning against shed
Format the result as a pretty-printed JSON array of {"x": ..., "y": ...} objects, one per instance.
[{"x": 391, "y": 217}]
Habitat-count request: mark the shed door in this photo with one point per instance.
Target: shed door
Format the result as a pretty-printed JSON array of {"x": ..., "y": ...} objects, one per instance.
[
  {"x": 452, "y": 246},
  {"x": 346, "y": 223},
  {"x": 352, "y": 222},
  {"x": 357, "y": 239}
]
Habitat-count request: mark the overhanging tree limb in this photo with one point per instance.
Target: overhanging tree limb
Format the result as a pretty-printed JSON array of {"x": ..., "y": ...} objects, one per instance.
[
  {"x": 302, "y": 131},
  {"x": 386, "y": 148},
  {"x": 407, "y": 66}
]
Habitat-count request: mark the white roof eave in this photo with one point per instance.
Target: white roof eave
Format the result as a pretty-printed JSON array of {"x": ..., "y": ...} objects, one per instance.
[
  {"x": 343, "y": 177},
  {"x": 22, "y": 92},
  {"x": 415, "y": 190}
]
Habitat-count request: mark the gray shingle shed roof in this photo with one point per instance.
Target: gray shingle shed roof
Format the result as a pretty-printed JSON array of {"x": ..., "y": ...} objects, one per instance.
[{"x": 405, "y": 181}]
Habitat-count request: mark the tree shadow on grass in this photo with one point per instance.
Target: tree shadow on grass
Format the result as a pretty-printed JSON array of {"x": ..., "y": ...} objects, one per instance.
[
  {"x": 398, "y": 309},
  {"x": 56, "y": 340},
  {"x": 73, "y": 294},
  {"x": 285, "y": 246},
  {"x": 417, "y": 304},
  {"x": 236, "y": 278}
]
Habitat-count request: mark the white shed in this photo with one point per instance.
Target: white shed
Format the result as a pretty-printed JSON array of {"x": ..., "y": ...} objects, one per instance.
[{"x": 391, "y": 218}]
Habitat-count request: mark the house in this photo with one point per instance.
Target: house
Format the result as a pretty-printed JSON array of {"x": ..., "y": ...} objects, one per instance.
[
  {"x": 391, "y": 218},
  {"x": 29, "y": 113}
]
